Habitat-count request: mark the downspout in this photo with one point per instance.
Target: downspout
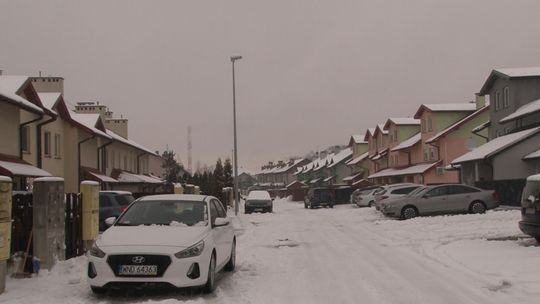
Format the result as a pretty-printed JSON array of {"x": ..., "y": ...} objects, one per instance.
[
  {"x": 79, "y": 159},
  {"x": 20, "y": 133},
  {"x": 39, "y": 157},
  {"x": 103, "y": 156},
  {"x": 138, "y": 163}
]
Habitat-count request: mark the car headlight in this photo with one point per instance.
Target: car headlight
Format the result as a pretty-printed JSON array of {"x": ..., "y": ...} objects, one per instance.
[
  {"x": 192, "y": 251},
  {"x": 96, "y": 251}
]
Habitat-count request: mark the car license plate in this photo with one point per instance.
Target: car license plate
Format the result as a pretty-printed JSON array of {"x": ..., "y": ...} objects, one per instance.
[
  {"x": 530, "y": 211},
  {"x": 145, "y": 270}
]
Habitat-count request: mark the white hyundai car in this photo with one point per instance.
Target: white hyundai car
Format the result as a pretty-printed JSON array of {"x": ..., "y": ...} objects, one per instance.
[{"x": 175, "y": 240}]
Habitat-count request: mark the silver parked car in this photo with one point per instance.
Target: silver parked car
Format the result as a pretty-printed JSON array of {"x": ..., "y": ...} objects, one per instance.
[
  {"x": 393, "y": 191},
  {"x": 364, "y": 197},
  {"x": 440, "y": 199}
]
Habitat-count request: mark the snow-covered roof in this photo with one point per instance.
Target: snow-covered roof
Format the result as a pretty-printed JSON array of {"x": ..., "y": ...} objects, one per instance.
[
  {"x": 524, "y": 110},
  {"x": 340, "y": 157},
  {"x": 457, "y": 124},
  {"x": 446, "y": 107},
  {"x": 9, "y": 85},
  {"x": 49, "y": 179},
  {"x": 295, "y": 182},
  {"x": 358, "y": 139},
  {"x": 370, "y": 132},
  {"x": 102, "y": 177},
  {"x": 408, "y": 143},
  {"x": 380, "y": 128},
  {"x": 508, "y": 73},
  {"x": 89, "y": 121},
  {"x": 351, "y": 177},
  {"x": 323, "y": 162},
  {"x": 127, "y": 177},
  {"x": 520, "y": 72},
  {"x": 5, "y": 179},
  {"x": 416, "y": 169},
  {"x": 358, "y": 159},
  {"x": 533, "y": 155},
  {"x": 287, "y": 166},
  {"x": 21, "y": 169},
  {"x": 129, "y": 142},
  {"x": 328, "y": 179},
  {"x": 495, "y": 146},
  {"x": 402, "y": 121},
  {"x": 314, "y": 181},
  {"x": 49, "y": 100}
]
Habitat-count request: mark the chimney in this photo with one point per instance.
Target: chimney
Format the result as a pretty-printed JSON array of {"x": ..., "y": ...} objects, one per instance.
[{"x": 480, "y": 101}]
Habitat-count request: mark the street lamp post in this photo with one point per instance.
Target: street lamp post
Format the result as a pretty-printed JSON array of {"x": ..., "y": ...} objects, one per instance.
[{"x": 236, "y": 198}]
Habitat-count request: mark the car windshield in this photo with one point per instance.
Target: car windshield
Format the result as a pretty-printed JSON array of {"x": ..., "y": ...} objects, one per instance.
[
  {"x": 125, "y": 199},
  {"x": 416, "y": 191},
  {"x": 166, "y": 212}
]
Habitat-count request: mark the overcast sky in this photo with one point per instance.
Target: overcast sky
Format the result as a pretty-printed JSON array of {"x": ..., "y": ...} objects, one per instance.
[{"x": 313, "y": 73}]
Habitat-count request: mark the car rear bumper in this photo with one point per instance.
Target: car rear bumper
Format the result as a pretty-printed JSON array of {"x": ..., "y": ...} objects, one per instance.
[{"x": 530, "y": 228}]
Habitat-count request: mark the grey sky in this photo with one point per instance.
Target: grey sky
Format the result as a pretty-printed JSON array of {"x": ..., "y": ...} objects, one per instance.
[{"x": 313, "y": 72}]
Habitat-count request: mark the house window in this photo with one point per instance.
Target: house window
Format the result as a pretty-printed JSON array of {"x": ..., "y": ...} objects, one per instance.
[
  {"x": 499, "y": 133},
  {"x": 423, "y": 125},
  {"x": 430, "y": 124},
  {"x": 506, "y": 130},
  {"x": 497, "y": 101},
  {"x": 125, "y": 162},
  {"x": 113, "y": 159},
  {"x": 47, "y": 144},
  {"x": 57, "y": 143},
  {"x": 395, "y": 134},
  {"x": 426, "y": 154},
  {"x": 431, "y": 153},
  {"x": 506, "y": 97},
  {"x": 108, "y": 160},
  {"x": 25, "y": 139}
]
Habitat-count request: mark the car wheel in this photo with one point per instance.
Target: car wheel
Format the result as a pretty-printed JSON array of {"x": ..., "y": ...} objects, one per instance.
[
  {"x": 246, "y": 211},
  {"x": 331, "y": 205},
  {"x": 231, "y": 264},
  {"x": 98, "y": 290},
  {"x": 537, "y": 238},
  {"x": 409, "y": 212},
  {"x": 370, "y": 204},
  {"x": 210, "y": 285},
  {"x": 477, "y": 207}
]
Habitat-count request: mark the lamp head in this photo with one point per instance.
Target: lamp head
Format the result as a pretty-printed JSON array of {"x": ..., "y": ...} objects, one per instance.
[{"x": 234, "y": 58}]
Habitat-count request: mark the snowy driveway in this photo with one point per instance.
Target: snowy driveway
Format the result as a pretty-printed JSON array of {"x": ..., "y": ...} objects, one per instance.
[{"x": 345, "y": 255}]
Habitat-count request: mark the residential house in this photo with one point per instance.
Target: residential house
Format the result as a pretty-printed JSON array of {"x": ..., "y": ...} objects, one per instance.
[
  {"x": 18, "y": 117},
  {"x": 359, "y": 163},
  {"x": 445, "y": 131},
  {"x": 513, "y": 151},
  {"x": 337, "y": 169}
]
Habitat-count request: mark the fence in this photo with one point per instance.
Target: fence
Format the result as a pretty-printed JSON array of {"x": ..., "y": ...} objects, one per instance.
[
  {"x": 74, "y": 243},
  {"x": 509, "y": 191}
]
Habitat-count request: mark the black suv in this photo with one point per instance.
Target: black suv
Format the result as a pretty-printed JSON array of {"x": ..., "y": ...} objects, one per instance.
[
  {"x": 319, "y": 197},
  {"x": 530, "y": 207},
  {"x": 112, "y": 203}
]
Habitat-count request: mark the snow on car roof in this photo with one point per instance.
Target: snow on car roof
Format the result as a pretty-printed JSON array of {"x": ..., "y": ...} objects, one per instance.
[
  {"x": 534, "y": 178},
  {"x": 174, "y": 197},
  {"x": 259, "y": 194},
  {"x": 5, "y": 179}
]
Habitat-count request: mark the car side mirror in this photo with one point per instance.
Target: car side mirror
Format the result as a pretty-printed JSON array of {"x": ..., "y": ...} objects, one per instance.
[
  {"x": 221, "y": 221},
  {"x": 110, "y": 220}
]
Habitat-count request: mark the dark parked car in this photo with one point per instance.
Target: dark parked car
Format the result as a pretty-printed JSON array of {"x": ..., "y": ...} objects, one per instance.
[
  {"x": 319, "y": 197},
  {"x": 530, "y": 207},
  {"x": 112, "y": 204}
]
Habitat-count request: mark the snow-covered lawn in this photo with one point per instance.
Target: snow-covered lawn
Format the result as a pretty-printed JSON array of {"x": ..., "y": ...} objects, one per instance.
[{"x": 343, "y": 255}]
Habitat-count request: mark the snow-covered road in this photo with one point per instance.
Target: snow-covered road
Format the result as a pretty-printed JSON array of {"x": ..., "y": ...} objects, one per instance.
[{"x": 345, "y": 255}]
